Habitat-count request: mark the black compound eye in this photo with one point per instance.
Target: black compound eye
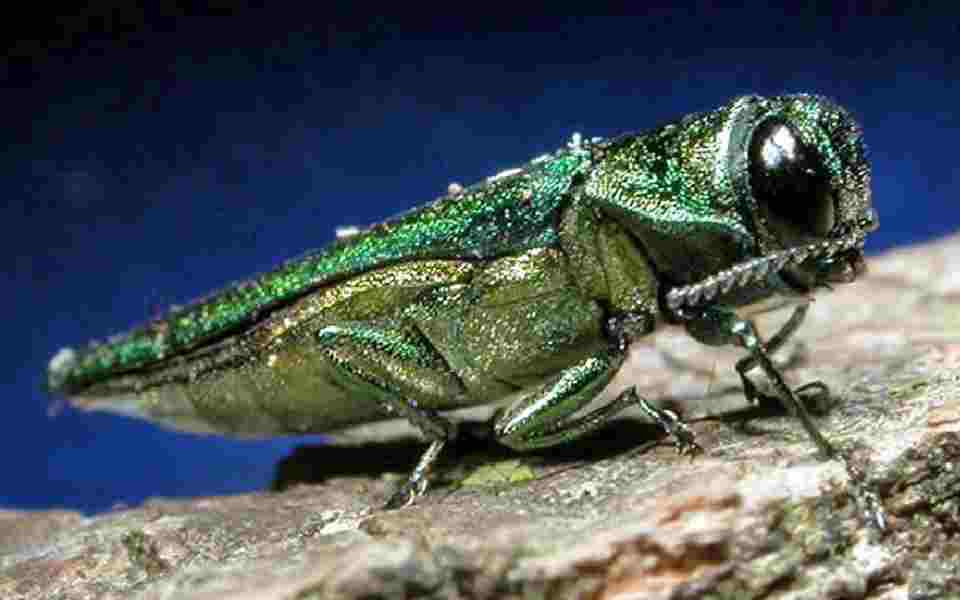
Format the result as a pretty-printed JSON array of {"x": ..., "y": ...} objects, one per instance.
[{"x": 789, "y": 179}]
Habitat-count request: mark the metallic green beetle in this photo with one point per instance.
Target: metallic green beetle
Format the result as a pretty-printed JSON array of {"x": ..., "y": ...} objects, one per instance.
[{"x": 533, "y": 282}]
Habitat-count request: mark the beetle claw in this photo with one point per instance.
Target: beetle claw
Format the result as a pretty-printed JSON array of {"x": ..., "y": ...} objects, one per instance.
[{"x": 406, "y": 494}]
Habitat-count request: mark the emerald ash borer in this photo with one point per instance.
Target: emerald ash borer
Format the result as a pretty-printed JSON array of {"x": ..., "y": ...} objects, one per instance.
[{"x": 529, "y": 285}]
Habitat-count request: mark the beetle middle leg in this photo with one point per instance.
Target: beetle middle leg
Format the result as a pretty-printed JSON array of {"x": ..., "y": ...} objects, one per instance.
[
  {"x": 394, "y": 363},
  {"x": 545, "y": 417}
]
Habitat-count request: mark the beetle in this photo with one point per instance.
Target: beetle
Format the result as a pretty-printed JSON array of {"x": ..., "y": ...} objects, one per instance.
[{"x": 531, "y": 284}]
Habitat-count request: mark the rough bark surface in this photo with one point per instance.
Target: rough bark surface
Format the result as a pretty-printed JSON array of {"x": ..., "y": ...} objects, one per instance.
[{"x": 619, "y": 515}]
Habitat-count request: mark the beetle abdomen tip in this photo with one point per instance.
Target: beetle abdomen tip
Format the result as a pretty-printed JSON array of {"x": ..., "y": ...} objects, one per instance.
[{"x": 60, "y": 367}]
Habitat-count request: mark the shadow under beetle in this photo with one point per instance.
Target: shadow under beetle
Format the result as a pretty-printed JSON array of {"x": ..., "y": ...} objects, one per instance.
[{"x": 533, "y": 282}]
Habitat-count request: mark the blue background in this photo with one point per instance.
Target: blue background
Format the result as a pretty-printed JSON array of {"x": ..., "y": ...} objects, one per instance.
[{"x": 149, "y": 159}]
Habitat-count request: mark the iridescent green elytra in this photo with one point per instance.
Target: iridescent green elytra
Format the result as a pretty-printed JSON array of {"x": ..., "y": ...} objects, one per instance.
[{"x": 532, "y": 282}]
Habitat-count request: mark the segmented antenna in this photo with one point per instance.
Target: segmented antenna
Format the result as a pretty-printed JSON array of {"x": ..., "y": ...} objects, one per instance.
[{"x": 756, "y": 269}]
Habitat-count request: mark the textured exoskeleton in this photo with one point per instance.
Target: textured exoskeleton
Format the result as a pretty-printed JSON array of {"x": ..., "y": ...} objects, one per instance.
[{"x": 533, "y": 282}]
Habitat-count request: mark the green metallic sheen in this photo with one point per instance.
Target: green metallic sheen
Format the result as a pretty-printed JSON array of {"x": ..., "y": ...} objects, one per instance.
[
  {"x": 529, "y": 285},
  {"x": 489, "y": 220}
]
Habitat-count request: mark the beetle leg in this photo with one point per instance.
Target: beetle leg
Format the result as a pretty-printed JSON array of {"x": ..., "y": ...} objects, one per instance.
[
  {"x": 781, "y": 337},
  {"x": 545, "y": 417},
  {"x": 746, "y": 363},
  {"x": 540, "y": 419},
  {"x": 716, "y": 326},
  {"x": 395, "y": 364},
  {"x": 671, "y": 423},
  {"x": 814, "y": 394}
]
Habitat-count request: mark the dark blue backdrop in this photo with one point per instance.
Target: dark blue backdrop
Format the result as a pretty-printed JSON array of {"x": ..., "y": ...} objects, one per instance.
[{"x": 147, "y": 164}]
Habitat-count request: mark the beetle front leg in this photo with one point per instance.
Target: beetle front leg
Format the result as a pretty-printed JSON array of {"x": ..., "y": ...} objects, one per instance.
[
  {"x": 395, "y": 364},
  {"x": 816, "y": 392},
  {"x": 545, "y": 417},
  {"x": 716, "y": 326},
  {"x": 722, "y": 326}
]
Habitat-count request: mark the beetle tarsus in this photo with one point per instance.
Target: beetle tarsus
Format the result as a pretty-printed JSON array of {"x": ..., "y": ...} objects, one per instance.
[
  {"x": 683, "y": 438},
  {"x": 416, "y": 484}
]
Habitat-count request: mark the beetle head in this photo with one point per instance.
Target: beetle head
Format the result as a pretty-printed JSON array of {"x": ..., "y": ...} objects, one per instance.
[{"x": 810, "y": 182}]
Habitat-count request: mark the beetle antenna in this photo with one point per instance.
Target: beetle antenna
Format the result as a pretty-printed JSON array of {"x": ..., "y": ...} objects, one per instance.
[{"x": 756, "y": 269}]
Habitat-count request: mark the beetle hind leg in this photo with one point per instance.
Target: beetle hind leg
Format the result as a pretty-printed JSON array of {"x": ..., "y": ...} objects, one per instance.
[{"x": 395, "y": 364}]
